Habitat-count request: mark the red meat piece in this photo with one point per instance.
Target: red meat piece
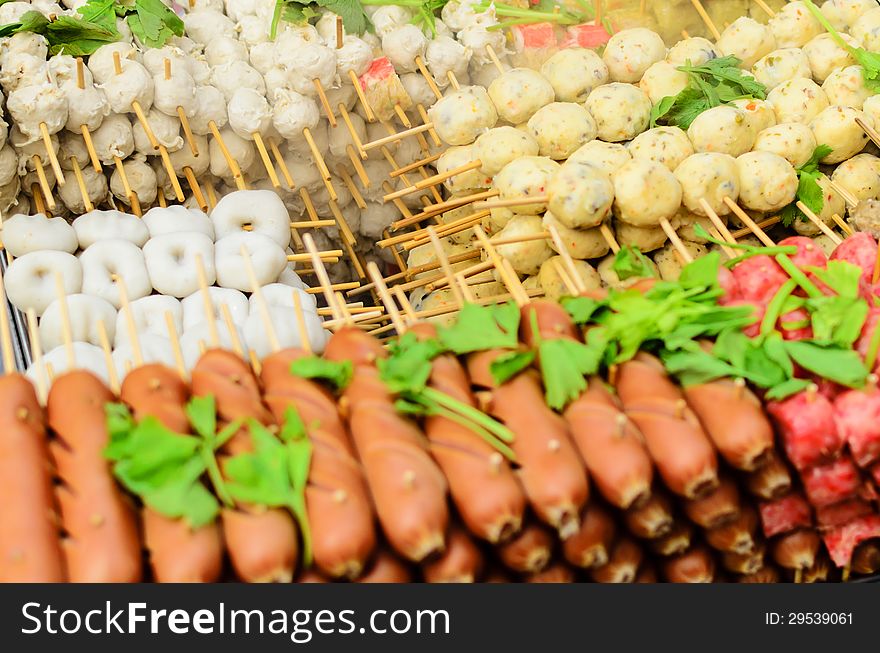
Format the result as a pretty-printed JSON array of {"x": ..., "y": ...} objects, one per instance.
[
  {"x": 843, "y": 512},
  {"x": 759, "y": 278},
  {"x": 857, "y": 415},
  {"x": 806, "y": 424},
  {"x": 380, "y": 70},
  {"x": 843, "y": 540},
  {"x": 536, "y": 36},
  {"x": 786, "y": 514},
  {"x": 859, "y": 249},
  {"x": 831, "y": 483},
  {"x": 808, "y": 255},
  {"x": 588, "y": 35},
  {"x": 797, "y": 316},
  {"x": 729, "y": 285}
]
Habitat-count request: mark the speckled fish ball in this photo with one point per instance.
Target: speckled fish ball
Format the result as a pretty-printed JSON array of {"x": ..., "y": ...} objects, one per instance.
[
  {"x": 767, "y": 181},
  {"x": 843, "y": 14},
  {"x": 608, "y": 156},
  {"x": 501, "y": 145},
  {"x": 780, "y": 66},
  {"x": 846, "y": 87},
  {"x": 667, "y": 145},
  {"x": 832, "y": 203},
  {"x": 630, "y": 52},
  {"x": 695, "y": 50},
  {"x": 662, "y": 79},
  {"x": 646, "y": 239},
  {"x": 580, "y": 243},
  {"x": 747, "y": 39},
  {"x": 644, "y": 193},
  {"x": 793, "y": 141},
  {"x": 459, "y": 117},
  {"x": 560, "y": 128},
  {"x": 711, "y": 176},
  {"x": 836, "y": 127},
  {"x": 860, "y": 176},
  {"x": 519, "y": 93},
  {"x": 526, "y": 177},
  {"x": 866, "y": 30},
  {"x": 581, "y": 195},
  {"x": 794, "y": 25},
  {"x": 621, "y": 111},
  {"x": 759, "y": 113},
  {"x": 722, "y": 129},
  {"x": 574, "y": 73},
  {"x": 670, "y": 262},
  {"x": 553, "y": 284},
  {"x": 797, "y": 100},
  {"x": 826, "y": 55},
  {"x": 526, "y": 256}
]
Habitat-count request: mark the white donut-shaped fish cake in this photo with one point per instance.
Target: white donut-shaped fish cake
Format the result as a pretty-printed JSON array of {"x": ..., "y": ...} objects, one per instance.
[
  {"x": 266, "y": 255},
  {"x": 149, "y": 317},
  {"x": 194, "y": 306},
  {"x": 30, "y": 233},
  {"x": 262, "y": 209},
  {"x": 30, "y": 280},
  {"x": 173, "y": 262},
  {"x": 105, "y": 260},
  {"x": 85, "y": 312},
  {"x": 110, "y": 225},
  {"x": 171, "y": 219}
]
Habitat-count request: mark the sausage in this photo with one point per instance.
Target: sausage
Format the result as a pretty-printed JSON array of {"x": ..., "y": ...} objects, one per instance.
[
  {"x": 177, "y": 553},
  {"x": 820, "y": 569},
  {"x": 482, "y": 484},
  {"x": 262, "y": 543},
  {"x": 30, "y": 546},
  {"x": 771, "y": 481},
  {"x": 102, "y": 543},
  {"x": 866, "y": 558},
  {"x": 767, "y": 574},
  {"x": 719, "y": 507},
  {"x": 338, "y": 502},
  {"x": 408, "y": 489},
  {"x": 796, "y": 550},
  {"x": 676, "y": 541},
  {"x": 611, "y": 445},
  {"x": 386, "y": 568},
  {"x": 623, "y": 563},
  {"x": 738, "y": 536},
  {"x": 674, "y": 437},
  {"x": 744, "y": 563},
  {"x": 734, "y": 420},
  {"x": 461, "y": 562},
  {"x": 529, "y": 550},
  {"x": 551, "y": 471},
  {"x": 647, "y": 574},
  {"x": 652, "y": 519},
  {"x": 694, "y": 566},
  {"x": 590, "y": 546},
  {"x": 557, "y": 572}
]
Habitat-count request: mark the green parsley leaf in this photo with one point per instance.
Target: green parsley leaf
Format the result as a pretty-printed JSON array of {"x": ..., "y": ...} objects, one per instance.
[
  {"x": 479, "y": 328},
  {"x": 510, "y": 364},
  {"x": 565, "y": 364},
  {"x": 727, "y": 70},
  {"x": 153, "y": 23},
  {"x": 408, "y": 366},
  {"x": 31, "y": 21},
  {"x": 336, "y": 373},
  {"x": 583, "y": 309},
  {"x": 841, "y": 276},
  {"x": 843, "y": 366},
  {"x": 353, "y": 16},
  {"x": 809, "y": 191},
  {"x": 630, "y": 262},
  {"x": 696, "y": 366},
  {"x": 787, "y": 389},
  {"x": 100, "y": 12},
  {"x": 701, "y": 272}
]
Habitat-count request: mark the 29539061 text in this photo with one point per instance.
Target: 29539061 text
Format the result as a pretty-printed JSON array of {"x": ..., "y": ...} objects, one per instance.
[{"x": 808, "y": 618}]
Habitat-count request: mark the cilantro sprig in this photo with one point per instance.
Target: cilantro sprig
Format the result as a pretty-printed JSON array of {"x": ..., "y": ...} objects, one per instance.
[
  {"x": 809, "y": 191},
  {"x": 336, "y": 373},
  {"x": 629, "y": 262},
  {"x": 483, "y": 327},
  {"x": 298, "y": 12},
  {"x": 869, "y": 61},
  {"x": 65, "y": 34}
]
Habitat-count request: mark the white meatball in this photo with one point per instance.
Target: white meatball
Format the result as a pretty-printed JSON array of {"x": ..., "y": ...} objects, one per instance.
[
  {"x": 262, "y": 210},
  {"x": 608, "y": 156},
  {"x": 95, "y": 184},
  {"x": 609, "y": 276},
  {"x": 501, "y": 145},
  {"x": 469, "y": 180},
  {"x": 860, "y": 176},
  {"x": 33, "y": 106},
  {"x": 478, "y": 40},
  {"x": 519, "y": 93},
  {"x": 101, "y": 62},
  {"x": 262, "y": 56},
  {"x": 21, "y": 42},
  {"x": 793, "y": 141},
  {"x": 184, "y": 158},
  {"x": 241, "y": 150},
  {"x": 553, "y": 284},
  {"x": 710, "y": 176},
  {"x": 224, "y": 49},
  {"x": 165, "y": 128},
  {"x": 194, "y": 306},
  {"x": 696, "y": 50},
  {"x": 293, "y": 112},
  {"x": 767, "y": 181},
  {"x": 86, "y": 106},
  {"x": 826, "y": 55},
  {"x": 866, "y": 30},
  {"x": 527, "y": 256},
  {"x": 340, "y": 138},
  {"x": 30, "y": 279},
  {"x": 748, "y": 40},
  {"x": 645, "y": 193},
  {"x": 621, "y": 111},
  {"x": 846, "y": 87},
  {"x": 794, "y": 25},
  {"x": 646, "y": 239},
  {"x": 267, "y": 258},
  {"x": 526, "y": 177},
  {"x": 402, "y": 45},
  {"x": 308, "y": 63},
  {"x": 8, "y": 164},
  {"x": 30, "y": 233},
  {"x": 581, "y": 195},
  {"x": 836, "y": 127},
  {"x": 560, "y": 128},
  {"x": 355, "y": 55},
  {"x": 797, "y": 100},
  {"x": 445, "y": 55},
  {"x": 389, "y": 17},
  {"x": 154, "y": 59},
  {"x": 843, "y": 14},
  {"x": 204, "y": 25},
  {"x": 630, "y": 52},
  {"x": 661, "y": 80},
  {"x": 141, "y": 179},
  {"x": 780, "y": 66},
  {"x": 101, "y": 225},
  {"x": 133, "y": 84},
  {"x": 113, "y": 138},
  {"x": 179, "y": 90},
  {"x": 759, "y": 113},
  {"x": 722, "y": 129},
  {"x": 418, "y": 90},
  {"x": 871, "y": 107},
  {"x": 574, "y": 73},
  {"x": 579, "y": 243},
  {"x": 666, "y": 145},
  {"x": 210, "y": 107},
  {"x": 249, "y": 113},
  {"x": 235, "y": 75},
  {"x": 376, "y": 217},
  {"x": 84, "y": 312},
  {"x": 459, "y": 117}
]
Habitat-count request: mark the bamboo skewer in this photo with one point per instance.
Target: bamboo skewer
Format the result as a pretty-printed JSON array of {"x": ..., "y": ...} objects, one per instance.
[
  {"x": 444, "y": 265},
  {"x": 226, "y": 314},
  {"x": 196, "y": 189},
  {"x": 129, "y": 193},
  {"x": 301, "y": 323},
  {"x": 108, "y": 357},
  {"x": 263, "y": 307},
  {"x": 38, "y": 200},
  {"x": 44, "y": 182},
  {"x": 50, "y": 152},
  {"x": 357, "y": 165},
  {"x": 765, "y": 8},
  {"x": 319, "y": 161},
  {"x": 746, "y": 220},
  {"x": 207, "y": 303},
  {"x": 322, "y": 96},
  {"x": 267, "y": 162},
  {"x": 382, "y": 289},
  {"x": 516, "y": 201},
  {"x": 6, "y": 331},
  {"x": 77, "y": 173},
  {"x": 368, "y": 110},
  {"x": 36, "y": 348},
  {"x": 675, "y": 240},
  {"x": 844, "y": 227},
  {"x": 175, "y": 345},
  {"x": 90, "y": 148},
  {"x": 763, "y": 224},
  {"x": 352, "y": 188},
  {"x": 346, "y": 118},
  {"x": 578, "y": 284},
  {"x": 125, "y": 305},
  {"x": 401, "y": 115},
  {"x": 392, "y": 138},
  {"x": 440, "y": 281},
  {"x": 422, "y": 234},
  {"x": 824, "y": 228},
  {"x": 282, "y": 164},
  {"x": 850, "y": 199},
  {"x": 719, "y": 228},
  {"x": 421, "y": 163},
  {"x": 172, "y": 175},
  {"x": 410, "y": 272},
  {"x": 435, "y": 209},
  {"x": 507, "y": 274},
  {"x": 339, "y": 34},
  {"x": 307, "y": 201},
  {"x": 321, "y": 272},
  {"x": 187, "y": 132},
  {"x": 435, "y": 179},
  {"x": 701, "y": 10},
  {"x": 142, "y": 119},
  {"x": 453, "y": 80},
  {"x": 227, "y": 155}
]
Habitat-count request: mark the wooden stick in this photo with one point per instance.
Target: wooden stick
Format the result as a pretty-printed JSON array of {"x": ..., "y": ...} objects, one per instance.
[
  {"x": 429, "y": 78},
  {"x": 233, "y": 332},
  {"x": 358, "y": 166},
  {"x": 129, "y": 193},
  {"x": 319, "y": 161},
  {"x": 441, "y": 280},
  {"x": 567, "y": 279},
  {"x": 507, "y": 274},
  {"x": 368, "y": 110},
  {"x": 850, "y": 199},
  {"x": 516, "y": 201},
  {"x": 410, "y": 272},
  {"x": 125, "y": 305},
  {"x": 50, "y": 152},
  {"x": 175, "y": 345},
  {"x": 117, "y": 63},
  {"x": 328, "y": 254},
  {"x": 415, "y": 165},
  {"x": 87, "y": 202},
  {"x": 352, "y": 188},
  {"x": 453, "y": 228},
  {"x": 347, "y": 285},
  {"x": 526, "y": 238},
  {"x": 44, "y": 182},
  {"x": 267, "y": 162},
  {"x": 160, "y": 194},
  {"x": 301, "y": 322},
  {"x": 453, "y": 80},
  {"x": 719, "y": 227},
  {"x": 347, "y": 234},
  {"x": 323, "y": 278},
  {"x": 6, "y": 330},
  {"x": 187, "y": 131},
  {"x": 148, "y": 129},
  {"x": 212, "y": 195},
  {"x": 747, "y": 221},
  {"x": 444, "y": 264},
  {"x": 435, "y": 179},
  {"x": 562, "y": 250},
  {"x": 172, "y": 175},
  {"x": 840, "y": 222},
  {"x": 598, "y": 19},
  {"x": 324, "y": 102},
  {"x": 64, "y": 311},
  {"x": 38, "y": 200},
  {"x": 767, "y": 222},
  {"x": 279, "y": 160},
  {"x": 608, "y": 236},
  {"x": 349, "y": 125},
  {"x": 108, "y": 357},
  {"x": 36, "y": 350},
  {"x": 393, "y": 138},
  {"x": 701, "y": 10},
  {"x": 675, "y": 240},
  {"x": 90, "y": 148},
  {"x": 401, "y": 115},
  {"x": 765, "y": 8},
  {"x": 307, "y": 200},
  {"x": 385, "y": 296},
  {"x": 196, "y": 189},
  {"x": 167, "y": 68},
  {"x": 310, "y": 224},
  {"x": 824, "y": 228},
  {"x": 408, "y": 310},
  {"x": 339, "y": 37},
  {"x": 422, "y": 234},
  {"x": 435, "y": 209},
  {"x": 495, "y": 60},
  {"x": 230, "y": 161},
  {"x": 80, "y": 74},
  {"x": 423, "y": 114},
  {"x": 207, "y": 303}
]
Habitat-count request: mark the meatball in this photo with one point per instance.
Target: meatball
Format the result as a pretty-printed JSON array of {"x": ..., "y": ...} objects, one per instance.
[
  {"x": 608, "y": 156},
  {"x": 872, "y": 108},
  {"x": 574, "y": 73},
  {"x": 780, "y": 66},
  {"x": 759, "y": 113},
  {"x": 748, "y": 40},
  {"x": 630, "y": 52},
  {"x": 797, "y": 100},
  {"x": 866, "y": 217},
  {"x": 645, "y": 193},
  {"x": 581, "y": 195},
  {"x": 843, "y": 14},
  {"x": 459, "y": 117},
  {"x": 794, "y": 25},
  {"x": 670, "y": 261},
  {"x": 859, "y": 175},
  {"x": 455, "y": 157},
  {"x": 645, "y": 238},
  {"x": 710, "y": 176},
  {"x": 667, "y": 145},
  {"x": 293, "y": 112},
  {"x": 445, "y": 55},
  {"x": 836, "y": 127},
  {"x": 767, "y": 181},
  {"x": 527, "y": 256},
  {"x": 527, "y": 176},
  {"x": 402, "y": 45},
  {"x": 826, "y": 55},
  {"x": 622, "y": 111},
  {"x": 552, "y": 283},
  {"x": 695, "y": 50},
  {"x": 560, "y": 128},
  {"x": 661, "y": 80},
  {"x": 832, "y": 203},
  {"x": 866, "y": 30},
  {"x": 793, "y": 141},
  {"x": 846, "y": 87},
  {"x": 580, "y": 243},
  {"x": 501, "y": 145},
  {"x": 519, "y": 93},
  {"x": 722, "y": 129}
]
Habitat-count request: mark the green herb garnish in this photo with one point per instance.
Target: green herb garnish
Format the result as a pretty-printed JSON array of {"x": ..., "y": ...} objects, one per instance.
[
  {"x": 629, "y": 262},
  {"x": 869, "y": 61},
  {"x": 479, "y": 328},
  {"x": 809, "y": 191},
  {"x": 336, "y": 373}
]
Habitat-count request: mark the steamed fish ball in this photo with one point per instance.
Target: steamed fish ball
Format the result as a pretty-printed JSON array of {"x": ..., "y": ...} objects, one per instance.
[
  {"x": 767, "y": 181},
  {"x": 204, "y": 25},
  {"x": 113, "y": 138},
  {"x": 249, "y": 113},
  {"x": 30, "y": 279},
  {"x": 560, "y": 128},
  {"x": 526, "y": 177},
  {"x": 580, "y": 243},
  {"x": 866, "y": 30},
  {"x": 695, "y": 50},
  {"x": 376, "y": 217},
  {"x": 8, "y": 164},
  {"x": 84, "y": 313},
  {"x": 456, "y": 156},
  {"x": 748, "y": 40},
  {"x": 621, "y": 111},
  {"x": 193, "y": 307},
  {"x": 608, "y": 156},
  {"x": 666, "y": 145},
  {"x": 759, "y": 113},
  {"x": 101, "y": 225},
  {"x": 459, "y": 117},
  {"x": 797, "y": 100},
  {"x": 173, "y": 262},
  {"x": 662, "y": 79},
  {"x": 261, "y": 209},
  {"x": 723, "y": 129},
  {"x": 630, "y": 52},
  {"x": 133, "y": 84},
  {"x": 172, "y": 219},
  {"x": 96, "y": 187},
  {"x": 220, "y": 50},
  {"x": 165, "y": 128},
  {"x": 30, "y": 233},
  {"x": 710, "y": 176},
  {"x": 780, "y": 66},
  {"x": 86, "y": 106},
  {"x": 836, "y": 127},
  {"x": 793, "y": 25},
  {"x": 36, "y": 105},
  {"x": 499, "y": 146},
  {"x": 574, "y": 73},
  {"x": 581, "y": 195},
  {"x": 793, "y": 141},
  {"x": 210, "y": 107},
  {"x": 519, "y": 93},
  {"x": 526, "y": 257},
  {"x": 670, "y": 262},
  {"x": 645, "y": 192},
  {"x": 688, "y": 223},
  {"x": 235, "y": 75},
  {"x": 179, "y": 90},
  {"x": 88, "y": 357},
  {"x": 355, "y": 55},
  {"x": 846, "y": 87},
  {"x": 860, "y": 176},
  {"x": 152, "y": 349},
  {"x": 293, "y": 112},
  {"x": 832, "y": 203},
  {"x": 551, "y": 281},
  {"x": 266, "y": 255},
  {"x": 339, "y": 138},
  {"x": 402, "y": 45},
  {"x": 418, "y": 90},
  {"x": 826, "y": 55},
  {"x": 242, "y": 151},
  {"x": 106, "y": 261},
  {"x": 148, "y": 314},
  {"x": 843, "y": 14},
  {"x": 142, "y": 181}
]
